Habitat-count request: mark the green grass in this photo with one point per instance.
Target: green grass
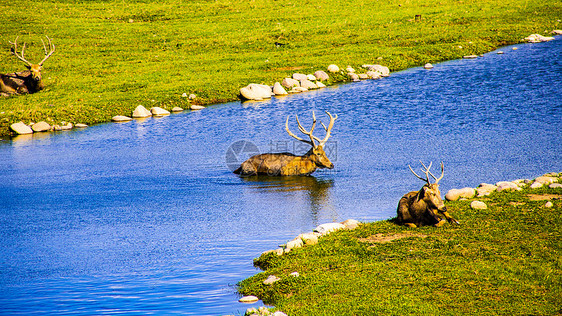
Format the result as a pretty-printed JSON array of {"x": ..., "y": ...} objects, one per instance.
[
  {"x": 104, "y": 65},
  {"x": 506, "y": 260}
]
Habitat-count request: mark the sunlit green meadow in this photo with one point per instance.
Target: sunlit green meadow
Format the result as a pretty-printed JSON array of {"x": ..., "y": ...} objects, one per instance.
[{"x": 114, "y": 55}]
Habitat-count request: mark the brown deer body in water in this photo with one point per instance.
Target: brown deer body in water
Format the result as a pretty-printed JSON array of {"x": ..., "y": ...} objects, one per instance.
[
  {"x": 27, "y": 81},
  {"x": 287, "y": 164},
  {"x": 424, "y": 207}
]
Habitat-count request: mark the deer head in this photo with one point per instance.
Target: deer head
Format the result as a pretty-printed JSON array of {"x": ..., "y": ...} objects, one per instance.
[
  {"x": 35, "y": 69},
  {"x": 316, "y": 153},
  {"x": 430, "y": 193}
]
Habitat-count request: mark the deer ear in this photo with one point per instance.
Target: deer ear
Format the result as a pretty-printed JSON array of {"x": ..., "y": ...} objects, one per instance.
[{"x": 421, "y": 193}]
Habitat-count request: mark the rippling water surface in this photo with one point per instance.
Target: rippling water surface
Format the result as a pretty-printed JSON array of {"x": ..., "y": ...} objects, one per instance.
[{"x": 145, "y": 217}]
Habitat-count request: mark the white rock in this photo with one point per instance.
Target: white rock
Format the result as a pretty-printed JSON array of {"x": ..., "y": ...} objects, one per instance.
[
  {"x": 351, "y": 223},
  {"x": 41, "y": 127},
  {"x": 309, "y": 238},
  {"x": 455, "y": 194},
  {"x": 140, "y": 112},
  {"x": 299, "y": 77},
  {"x": 177, "y": 109},
  {"x": 278, "y": 89},
  {"x": 81, "y": 125},
  {"x": 428, "y": 66},
  {"x": 478, "y": 205},
  {"x": 195, "y": 107},
  {"x": 537, "y": 38},
  {"x": 67, "y": 127},
  {"x": 158, "y": 111},
  {"x": 500, "y": 52},
  {"x": 21, "y": 129},
  {"x": 555, "y": 185},
  {"x": 295, "y": 274},
  {"x": 278, "y": 313},
  {"x": 248, "y": 299},
  {"x": 320, "y": 85},
  {"x": 385, "y": 72},
  {"x": 353, "y": 76},
  {"x": 485, "y": 189},
  {"x": 256, "y": 92},
  {"x": 506, "y": 185},
  {"x": 120, "y": 118},
  {"x": 308, "y": 84},
  {"x": 311, "y": 77},
  {"x": 333, "y": 68},
  {"x": 271, "y": 279},
  {"x": 363, "y": 76},
  {"x": 536, "y": 185},
  {"x": 295, "y": 243},
  {"x": 321, "y": 75},
  {"x": 374, "y": 74},
  {"x": 470, "y": 56},
  {"x": 298, "y": 89},
  {"x": 546, "y": 179},
  {"x": 327, "y": 228},
  {"x": 557, "y": 32},
  {"x": 349, "y": 69},
  {"x": 290, "y": 83},
  {"x": 184, "y": 95},
  {"x": 549, "y": 204},
  {"x": 192, "y": 96}
]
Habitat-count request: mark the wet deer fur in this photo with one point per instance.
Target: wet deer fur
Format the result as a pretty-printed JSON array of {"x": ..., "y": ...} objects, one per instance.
[
  {"x": 424, "y": 207},
  {"x": 27, "y": 81},
  {"x": 288, "y": 164}
]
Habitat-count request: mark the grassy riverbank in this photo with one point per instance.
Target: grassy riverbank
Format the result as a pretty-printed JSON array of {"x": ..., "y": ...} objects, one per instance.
[
  {"x": 505, "y": 260},
  {"x": 114, "y": 55}
]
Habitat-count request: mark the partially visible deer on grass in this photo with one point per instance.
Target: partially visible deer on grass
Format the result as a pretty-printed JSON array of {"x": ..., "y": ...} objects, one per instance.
[
  {"x": 424, "y": 207},
  {"x": 288, "y": 164},
  {"x": 27, "y": 81}
]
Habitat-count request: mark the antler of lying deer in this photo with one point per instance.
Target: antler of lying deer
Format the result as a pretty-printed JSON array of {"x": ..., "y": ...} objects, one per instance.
[
  {"x": 428, "y": 173},
  {"x": 321, "y": 142},
  {"x": 22, "y": 57}
]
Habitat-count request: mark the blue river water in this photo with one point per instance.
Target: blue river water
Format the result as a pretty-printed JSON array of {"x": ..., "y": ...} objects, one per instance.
[{"x": 145, "y": 217}]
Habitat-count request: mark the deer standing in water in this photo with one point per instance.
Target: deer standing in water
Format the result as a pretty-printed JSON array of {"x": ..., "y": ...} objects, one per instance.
[
  {"x": 27, "y": 81},
  {"x": 288, "y": 164},
  {"x": 424, "y": 207}
]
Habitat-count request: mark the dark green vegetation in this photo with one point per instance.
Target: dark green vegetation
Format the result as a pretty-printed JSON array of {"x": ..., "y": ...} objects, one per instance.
[
  {"x": 114, "y": 55},
  {"x": 506, "y": 260}
]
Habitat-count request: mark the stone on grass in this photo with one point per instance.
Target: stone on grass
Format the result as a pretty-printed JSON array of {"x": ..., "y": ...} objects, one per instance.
[
  {"x": 309, "y": 238},
  {"x": 546, "y": 179},
  {"x": 295, "y": 243},
  {"x": 333, "y": 68},
  {"x": 278, "y": 89},
  {"x": 295, "y": 274},
  {"x": 177, "y": 109},
  {"x": 256, "y": 92},
  {"x": 555, "y": 185},
  {"x": 278, "y": 313},
  {"x": 298, "y": 89},
  {"x": 470, "y": 56},
  {"x": 349, "y": 69},
  {"x": 41, "y": 127},
  {"x": 321, "y": 75},
  {"x": 120, "y": 118},
  {"x": 299, "y": 77},
  {"x": 271, "y": 279},
  {"x": 374, "y": 74},
  {"x": 363, "y": 76},
  {"x": 20, "y": 128},
  {"x": 308, "y": 84},
  {"x": 485, "y": 189},
  {"x": 311, "y": 77},
  {"x": 81, "y": 125},
  {"x": 248, "y": 299},
  {"x": 548, "y": 204},
  {"x": 537, "y": 38},
  {"x": 66, "y": 126},
  {"x": 290, "y": 83},
  {"x": 385, "y": 71},
  {"x": 327, "y": 228},
  {"x": 353, "y": 76},
  {"x": 350, "y": 223},
  {"x": 536, "y": 185},
  {"x": 507, "y": 185},
  {"x": 158, "y": 111},
  {"x": 455, "y": 194},
  {"x": 557, "y": 32},
  {"x": 195, "y": 107},
  {"x": 320, "y": 85},
  {"x": 141, "y": 112},
  {"x": 478, "y": 205}
]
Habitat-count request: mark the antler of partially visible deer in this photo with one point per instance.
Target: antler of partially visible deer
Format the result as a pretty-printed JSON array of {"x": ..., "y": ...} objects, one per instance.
[{"x": 27, "y": 81}]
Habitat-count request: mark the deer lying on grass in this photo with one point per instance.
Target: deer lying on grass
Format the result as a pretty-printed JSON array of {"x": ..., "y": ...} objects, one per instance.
[
  {"x": 424, "y": 207},
  {"x": 27, "y": 81},
  {"x": 287, "y": 164}
]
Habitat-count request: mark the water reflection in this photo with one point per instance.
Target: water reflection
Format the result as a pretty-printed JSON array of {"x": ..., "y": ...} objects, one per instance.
[{"x": 315, "y": 191}]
